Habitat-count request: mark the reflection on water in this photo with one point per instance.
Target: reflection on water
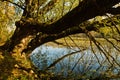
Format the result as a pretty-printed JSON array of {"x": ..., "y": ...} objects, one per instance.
[{"x": 84, "y": 63}]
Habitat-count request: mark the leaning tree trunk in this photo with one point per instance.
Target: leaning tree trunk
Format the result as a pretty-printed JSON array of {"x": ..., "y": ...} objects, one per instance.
[
  {"x": 35, "y": 33},
  {"x": 30, "y": 34}
]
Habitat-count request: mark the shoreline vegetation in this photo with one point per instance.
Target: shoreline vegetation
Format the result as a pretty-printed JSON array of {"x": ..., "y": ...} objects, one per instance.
[
  {"x": 112, "y": 55},
  {"x": 13, "y": 69},
  {"x": 73, "y": 41}
]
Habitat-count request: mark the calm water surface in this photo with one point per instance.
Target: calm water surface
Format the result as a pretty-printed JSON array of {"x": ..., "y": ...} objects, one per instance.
[{"x": 80, "y": 63}]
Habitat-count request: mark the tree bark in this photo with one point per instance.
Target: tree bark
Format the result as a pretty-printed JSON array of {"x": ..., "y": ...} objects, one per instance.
[{"x": 42, "y": 32}]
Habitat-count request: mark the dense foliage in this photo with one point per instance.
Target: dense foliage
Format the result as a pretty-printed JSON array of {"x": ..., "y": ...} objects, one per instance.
[{"x": 27, "y": 24}]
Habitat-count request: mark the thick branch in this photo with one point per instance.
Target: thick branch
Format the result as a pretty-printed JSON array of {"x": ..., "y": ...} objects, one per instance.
[
  {"x": 43, "y": 38},
  {"x": 61, "y": 28},
  {"x": 114, "y": 11},
  {"x": 86, "y": 10}
]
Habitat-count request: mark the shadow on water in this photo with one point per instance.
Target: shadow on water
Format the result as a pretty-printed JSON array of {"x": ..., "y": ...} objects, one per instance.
[{"x": 84, "y": 63}]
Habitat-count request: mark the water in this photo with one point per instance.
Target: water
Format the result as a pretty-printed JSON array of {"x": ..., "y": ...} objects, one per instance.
[{"x": 82, "y": 63}]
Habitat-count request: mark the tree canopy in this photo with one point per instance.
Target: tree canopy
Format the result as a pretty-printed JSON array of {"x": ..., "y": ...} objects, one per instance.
[
  {"x": 27, "y": 24},
  {"x": 44, "y": 21}
]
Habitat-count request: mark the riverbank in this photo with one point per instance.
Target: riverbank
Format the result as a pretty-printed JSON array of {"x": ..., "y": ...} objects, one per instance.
[{"x": 77, "y": 42}]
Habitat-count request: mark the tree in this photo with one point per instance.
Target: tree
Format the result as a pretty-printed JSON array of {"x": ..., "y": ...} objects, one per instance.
[
  {"x": 44, "y": 21},
  {"x": 40, "y": 33}
]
